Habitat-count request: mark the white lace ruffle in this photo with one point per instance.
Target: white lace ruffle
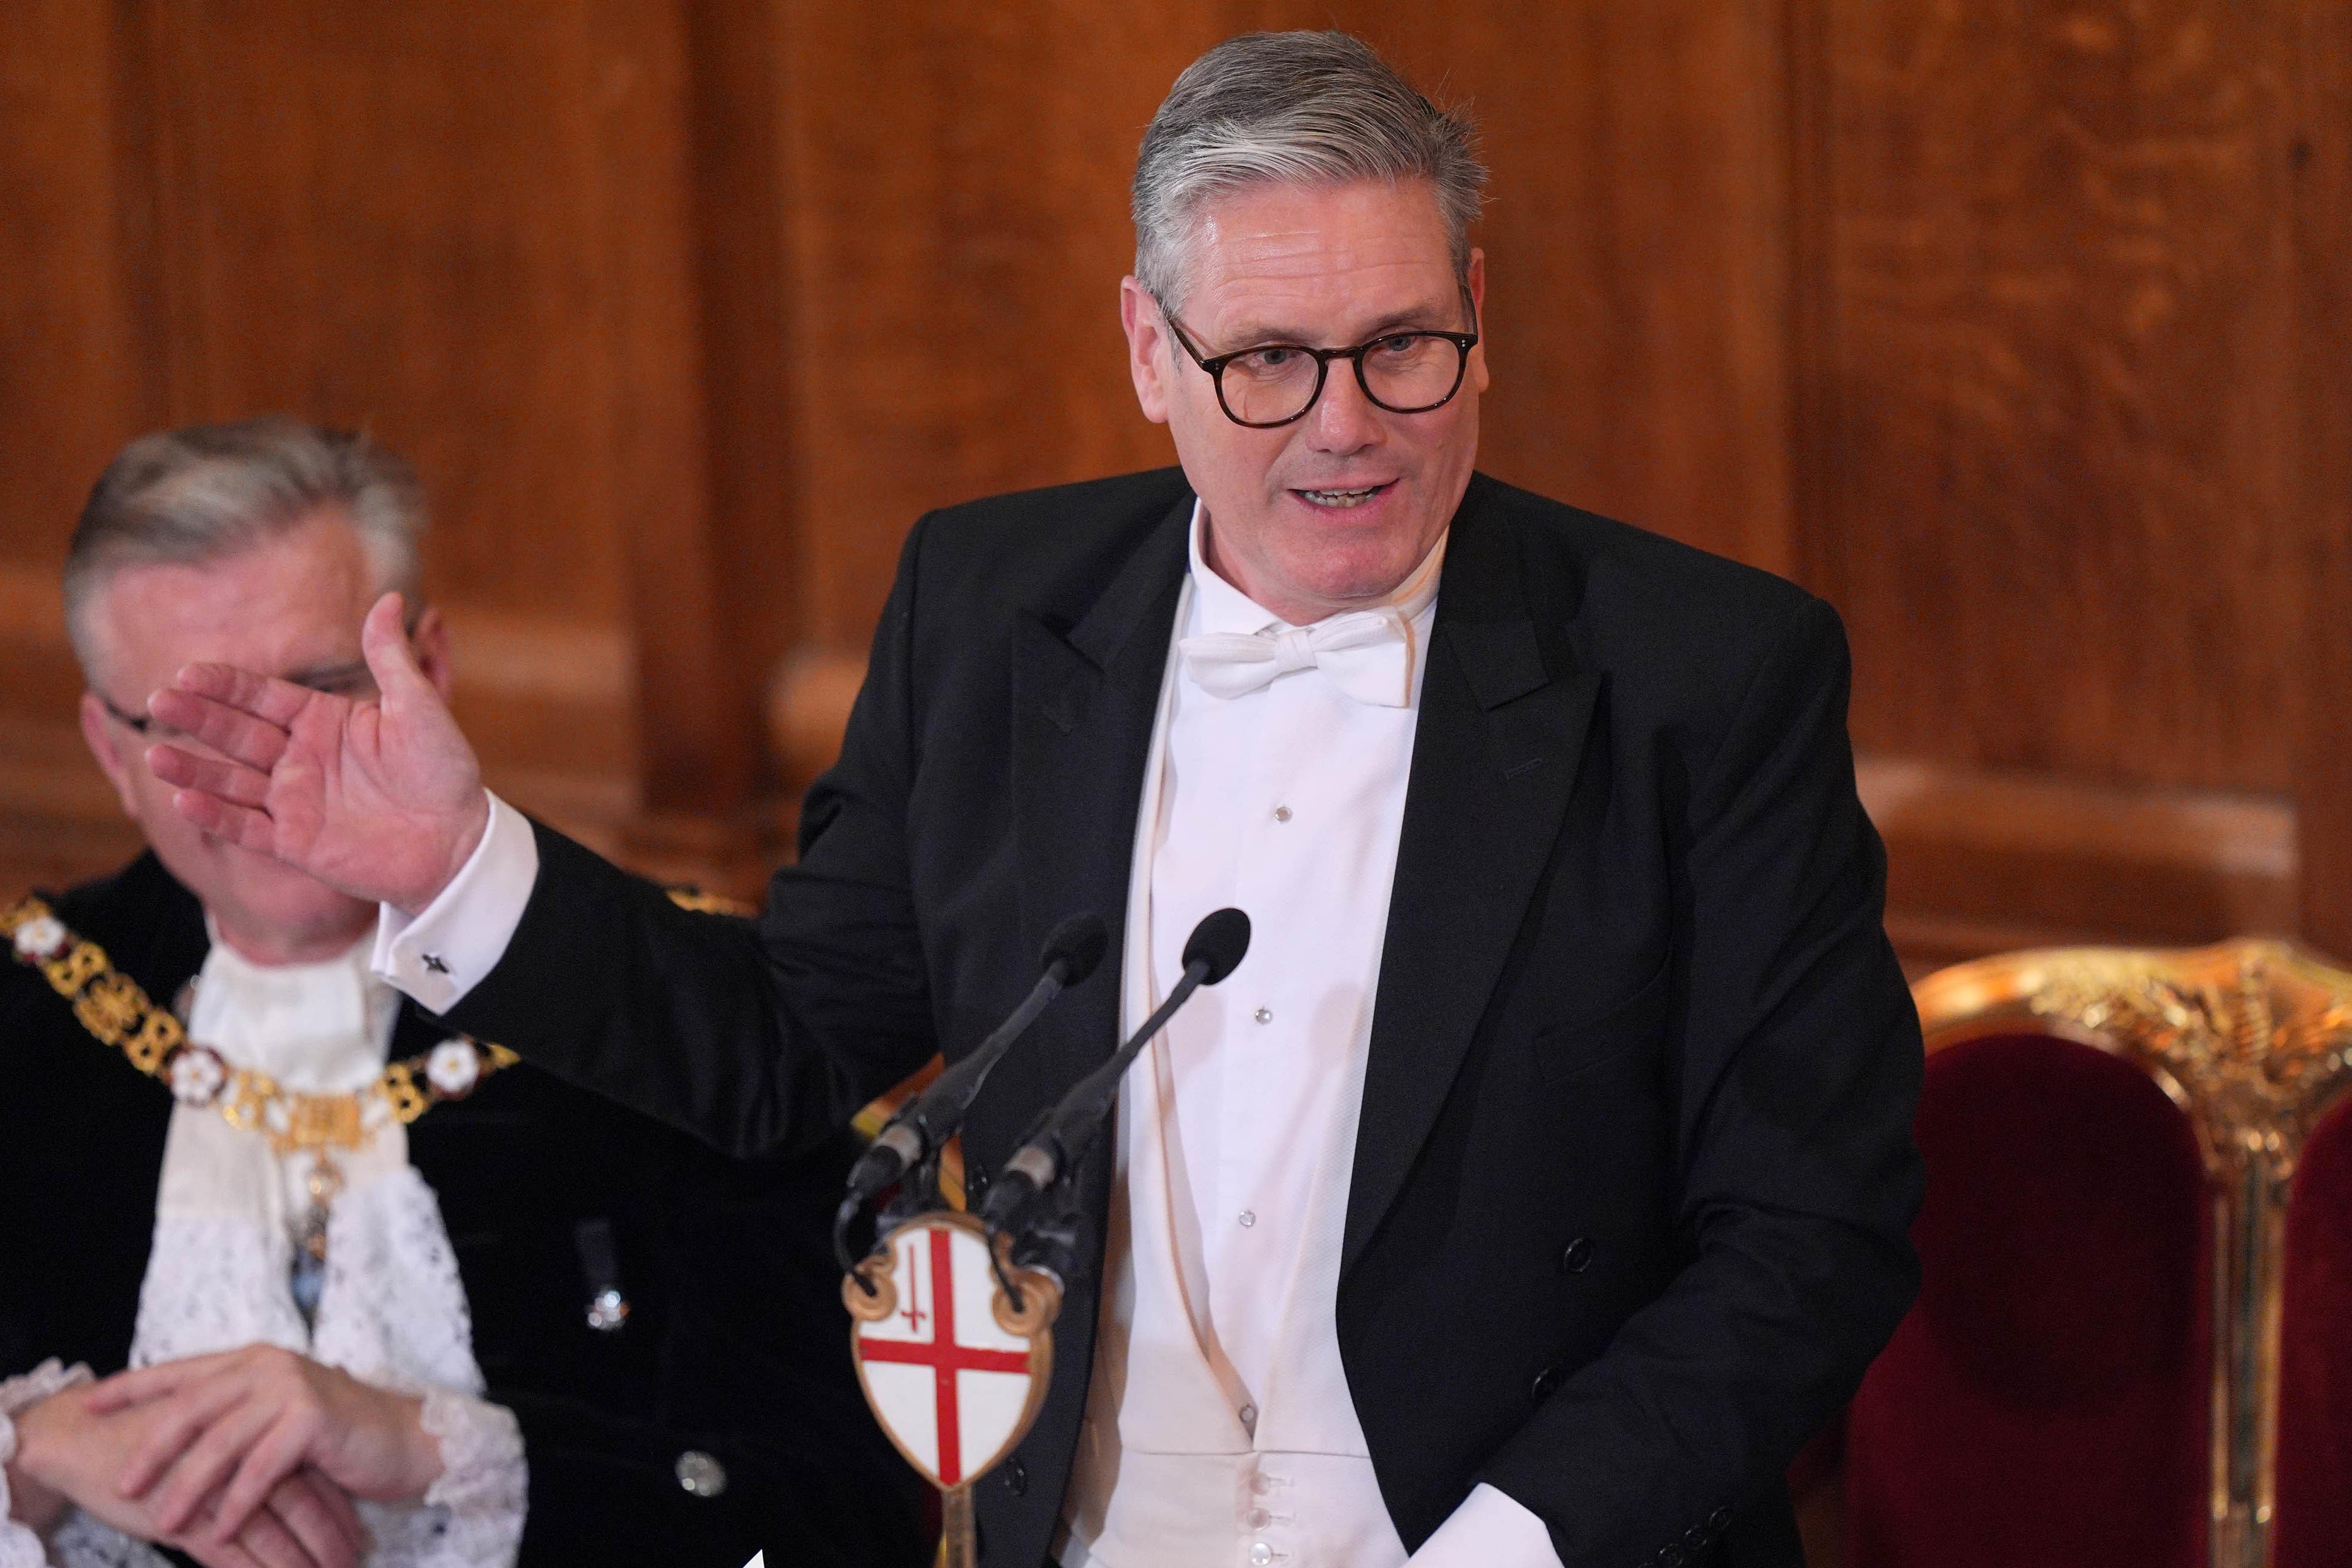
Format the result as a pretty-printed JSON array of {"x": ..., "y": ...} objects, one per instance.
[
  {"x": 214, "y": 1284},
  {"x": 19, "y": 1547},
  {"x": 484, "y": 1482},
  {"x": 27, "y": 1389},
  {"x": 82, "y": 1542},
  {"x": 393, "y": 1312},
  {"x": 473, "y": 1514}
]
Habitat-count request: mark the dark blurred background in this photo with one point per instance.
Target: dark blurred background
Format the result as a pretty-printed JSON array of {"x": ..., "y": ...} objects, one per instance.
[{"x": 2018, "y": 330}]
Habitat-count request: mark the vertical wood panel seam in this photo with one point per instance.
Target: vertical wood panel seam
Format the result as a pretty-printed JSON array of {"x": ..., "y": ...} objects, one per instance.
[{"x": 1811, "y": 321}]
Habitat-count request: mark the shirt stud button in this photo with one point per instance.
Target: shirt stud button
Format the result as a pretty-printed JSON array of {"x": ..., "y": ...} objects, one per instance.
[
  {"x": 1264, "y": 1015},
  {"x": 1248, "y": 1218},
  {"x": 1261, "y": 1553},
  {"x": 1282, "y": 814},
  {"x": 1249, "y": 1415},
  {"x": 1259, "y": 1519},
  {"x": 700, "y": 1475}
]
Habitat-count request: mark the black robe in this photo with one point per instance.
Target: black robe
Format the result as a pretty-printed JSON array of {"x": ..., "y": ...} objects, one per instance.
[{"x": 735, "y": 1345}]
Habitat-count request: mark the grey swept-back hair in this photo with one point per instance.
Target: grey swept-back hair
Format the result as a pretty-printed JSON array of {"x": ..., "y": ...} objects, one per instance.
[
  {"x": 184, "y": 497},
  {"x": 1297, "y": 108}
]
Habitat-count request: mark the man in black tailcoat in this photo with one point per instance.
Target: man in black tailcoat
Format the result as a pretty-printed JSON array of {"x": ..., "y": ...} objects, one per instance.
[{"x": 1541, "y": 1180}]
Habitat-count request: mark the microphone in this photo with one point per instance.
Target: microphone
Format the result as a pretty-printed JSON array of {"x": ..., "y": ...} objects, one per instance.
[
  {"x": 1071, "y": 952},
  {"x": 1062, "y": 1136}
]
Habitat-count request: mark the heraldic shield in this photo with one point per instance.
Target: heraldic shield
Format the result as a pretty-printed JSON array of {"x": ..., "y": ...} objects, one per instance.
[{"x": 953, "y": 1371}]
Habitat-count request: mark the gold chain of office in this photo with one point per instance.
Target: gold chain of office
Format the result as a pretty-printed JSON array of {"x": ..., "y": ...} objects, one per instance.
[{"x": 118, "y": 1013}]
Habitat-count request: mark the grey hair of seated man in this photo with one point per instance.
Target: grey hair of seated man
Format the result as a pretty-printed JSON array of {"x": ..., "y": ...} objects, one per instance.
[
  {"x": 1292, "y": 107},
  {"x": 209, "y": 491}
]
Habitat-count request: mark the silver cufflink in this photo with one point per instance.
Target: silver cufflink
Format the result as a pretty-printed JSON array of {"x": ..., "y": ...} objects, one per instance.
[{"x": 700, "y": 1474}]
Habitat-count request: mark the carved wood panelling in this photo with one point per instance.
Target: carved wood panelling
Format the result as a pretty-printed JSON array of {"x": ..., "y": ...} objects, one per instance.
[
  {"x": 466, "y": 230},
  {"x": 1638, "y": 253},
  {"x": 2321, "y": 156},
  {"x": 2061, "y": 392},
  {"x": 74, "y": 383}
]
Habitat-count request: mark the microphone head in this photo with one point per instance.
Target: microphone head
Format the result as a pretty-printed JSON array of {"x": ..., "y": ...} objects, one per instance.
[
  {"x": 1219, "y": 942},
  {"x": 1078, "y": 946}
]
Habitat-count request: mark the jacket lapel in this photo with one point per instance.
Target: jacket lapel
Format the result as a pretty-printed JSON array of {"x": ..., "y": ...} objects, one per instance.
[
  {"x": 1084, "y": 704},
  {"x": 1494, "y": 757}
]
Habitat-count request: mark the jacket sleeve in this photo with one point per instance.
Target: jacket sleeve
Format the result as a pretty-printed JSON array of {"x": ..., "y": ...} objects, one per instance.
[
  {"x": 750, "y": 1036},
  {"x": 1800, "y": 1065}
]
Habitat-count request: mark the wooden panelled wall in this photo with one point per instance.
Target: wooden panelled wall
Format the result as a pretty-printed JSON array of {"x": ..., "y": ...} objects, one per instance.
[{"x": 2018, "y": 331}]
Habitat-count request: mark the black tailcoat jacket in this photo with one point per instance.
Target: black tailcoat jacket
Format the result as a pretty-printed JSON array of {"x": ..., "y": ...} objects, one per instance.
[
  {"x": 1635, "y": 1172},
  {"x": 735, "y": 1341}
]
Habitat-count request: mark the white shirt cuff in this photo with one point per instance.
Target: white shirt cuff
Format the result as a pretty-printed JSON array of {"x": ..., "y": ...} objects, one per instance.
[
  {"x": 1492, "y": 1528},
  {"x": 459, "y": 937}
]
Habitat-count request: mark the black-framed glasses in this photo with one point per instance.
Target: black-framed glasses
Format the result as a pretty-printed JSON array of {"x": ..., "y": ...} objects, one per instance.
[
  {"x": 1273, "y": 384},
  {"x": 137, "y": 723},
  {"x": 354, "y": 680}
]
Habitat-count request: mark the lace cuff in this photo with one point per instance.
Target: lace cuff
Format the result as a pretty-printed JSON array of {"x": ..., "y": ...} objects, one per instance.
[
  {"x": 19, "y": 1547},
  {"x": 82, "y": 1542},
  {"x": 485, "y": 1481}
]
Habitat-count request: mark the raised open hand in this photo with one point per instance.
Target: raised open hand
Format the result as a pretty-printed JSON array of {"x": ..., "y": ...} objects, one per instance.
[{"x": 380, "y": 798}]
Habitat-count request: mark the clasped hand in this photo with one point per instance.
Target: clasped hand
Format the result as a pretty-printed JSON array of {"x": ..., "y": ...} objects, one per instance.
[{"x": 245, "y": 1459}]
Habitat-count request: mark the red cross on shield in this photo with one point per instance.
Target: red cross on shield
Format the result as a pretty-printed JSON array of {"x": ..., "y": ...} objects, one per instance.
[{"x": 952, "y": 1372}]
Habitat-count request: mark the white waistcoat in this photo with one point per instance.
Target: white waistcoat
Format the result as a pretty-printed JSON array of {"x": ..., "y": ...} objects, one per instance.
[{"x": 1219, "y": 1429}]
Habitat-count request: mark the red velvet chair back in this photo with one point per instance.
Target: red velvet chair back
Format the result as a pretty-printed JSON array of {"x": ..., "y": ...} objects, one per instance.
[
  {"x": 2315, "y": 1444},
  {"x": 2046, "y": 1404}
]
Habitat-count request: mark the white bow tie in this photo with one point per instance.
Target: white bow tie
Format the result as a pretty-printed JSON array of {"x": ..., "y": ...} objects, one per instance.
[{"x": 1367, "y": 654}]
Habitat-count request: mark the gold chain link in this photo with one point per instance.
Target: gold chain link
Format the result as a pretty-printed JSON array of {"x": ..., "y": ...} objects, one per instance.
[{"x": 116, "y": 1012}]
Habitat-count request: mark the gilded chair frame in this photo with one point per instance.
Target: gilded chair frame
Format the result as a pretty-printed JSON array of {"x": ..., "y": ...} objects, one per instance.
[{"x": 2253, "y": 1040}]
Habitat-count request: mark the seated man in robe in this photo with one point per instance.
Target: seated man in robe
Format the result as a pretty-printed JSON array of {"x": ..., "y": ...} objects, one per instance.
[{"x": 521, "y": 1324}]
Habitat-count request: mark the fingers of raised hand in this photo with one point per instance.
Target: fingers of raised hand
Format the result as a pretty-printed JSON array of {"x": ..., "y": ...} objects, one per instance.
[
  {"x": 264, "y": 697},
  {"x": 234, "y": 730},
  {"x": 383, "y": 640},
  {"x": 241, "y": 826},
  {"x": 232, "y": 782}
]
